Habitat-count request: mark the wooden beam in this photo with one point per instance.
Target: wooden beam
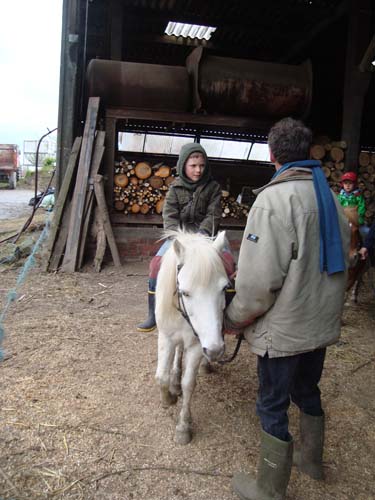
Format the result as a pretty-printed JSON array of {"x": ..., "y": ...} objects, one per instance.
[
  {"x": 251, "y": 124},
  {"x": 70, "y": 45},
  {"x": 368, "y": 57},
  {"x": 356, "y": 83}
]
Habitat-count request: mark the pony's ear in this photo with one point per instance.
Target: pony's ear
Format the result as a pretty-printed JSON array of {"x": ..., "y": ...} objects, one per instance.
[
  {"x": 220, "y": 241},
  {"x": 179, "y": 250}
]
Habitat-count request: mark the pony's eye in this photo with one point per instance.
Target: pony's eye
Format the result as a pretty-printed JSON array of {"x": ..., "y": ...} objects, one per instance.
[{"x": 186, "y": 294}]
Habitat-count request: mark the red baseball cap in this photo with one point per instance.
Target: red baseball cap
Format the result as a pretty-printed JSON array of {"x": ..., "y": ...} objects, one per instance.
[{"x": 349, "y": 176}]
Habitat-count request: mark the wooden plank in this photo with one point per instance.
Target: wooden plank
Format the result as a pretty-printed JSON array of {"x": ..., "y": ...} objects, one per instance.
[
  {"x": 58, "y": 249},
  {"x": 109, "y": 158},
  {"x": 100, "y": 240},
  {"x": 95, "y": 165},
  {"x": 79, "y": 196},
  {"x": 61, "y": 200},
  {"x": 104, "y": 215}
]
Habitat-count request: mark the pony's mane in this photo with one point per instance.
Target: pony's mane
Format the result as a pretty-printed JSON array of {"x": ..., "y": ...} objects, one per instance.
[{"x": 201, "y": 258}]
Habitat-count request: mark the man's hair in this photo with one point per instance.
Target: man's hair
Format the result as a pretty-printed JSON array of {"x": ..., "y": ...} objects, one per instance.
[{"x": 290, "y": 140}]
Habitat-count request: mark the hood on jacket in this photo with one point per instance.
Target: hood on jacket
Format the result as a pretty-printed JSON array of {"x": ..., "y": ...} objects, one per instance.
[{"x": 186, "y": 151}]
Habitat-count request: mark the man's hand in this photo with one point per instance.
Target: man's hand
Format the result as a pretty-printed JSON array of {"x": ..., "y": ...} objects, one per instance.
[
  {"x": 230, "y": 329},
  {"x": 363, "y": 252}
]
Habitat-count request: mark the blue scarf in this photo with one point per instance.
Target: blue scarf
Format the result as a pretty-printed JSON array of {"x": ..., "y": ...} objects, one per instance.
[{"x": 331, "y": 253}]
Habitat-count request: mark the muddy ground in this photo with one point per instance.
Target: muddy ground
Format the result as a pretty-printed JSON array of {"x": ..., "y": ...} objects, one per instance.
[{"x": 80, "y": 416}]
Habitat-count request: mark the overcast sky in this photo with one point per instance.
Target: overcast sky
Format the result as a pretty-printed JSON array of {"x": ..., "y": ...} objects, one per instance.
[{"x": 30, "y": 40}]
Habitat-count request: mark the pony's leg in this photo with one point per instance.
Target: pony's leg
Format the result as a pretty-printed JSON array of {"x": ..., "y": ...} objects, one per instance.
[
  {"x": 193, "y": 358},
  {"x": 166, "y": 351},
  {"x": 357, "y": 286},
  {"x": 205, "y": 368},
  {"x": 175, "y": 380}
]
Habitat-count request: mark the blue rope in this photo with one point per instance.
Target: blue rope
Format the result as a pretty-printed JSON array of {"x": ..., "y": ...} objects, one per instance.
[{"x": 29, "y": 264}]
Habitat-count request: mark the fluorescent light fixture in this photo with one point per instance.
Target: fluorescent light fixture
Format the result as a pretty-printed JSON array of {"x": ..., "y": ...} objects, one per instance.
[
  {"x": 189, "y": 30},
  {"x": 373, "y": 62}
]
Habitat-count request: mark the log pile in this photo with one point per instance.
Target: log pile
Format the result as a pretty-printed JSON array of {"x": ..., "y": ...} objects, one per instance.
[
  {"x": 366, "y": 182},
  {"x": 332, "y": 156},
  {"x": 231, "y": 208},
  {"x": 140, "y": 188}
]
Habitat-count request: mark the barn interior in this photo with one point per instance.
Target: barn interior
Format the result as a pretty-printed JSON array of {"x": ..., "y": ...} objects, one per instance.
[{"x": 219, "y": 73}]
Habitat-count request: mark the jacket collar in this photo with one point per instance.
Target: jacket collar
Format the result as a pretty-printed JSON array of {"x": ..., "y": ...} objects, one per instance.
[{"x": 293, "y": 174}]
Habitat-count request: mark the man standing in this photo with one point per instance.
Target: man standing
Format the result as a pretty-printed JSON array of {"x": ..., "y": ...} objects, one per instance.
[{"x": 290, "y": 291}]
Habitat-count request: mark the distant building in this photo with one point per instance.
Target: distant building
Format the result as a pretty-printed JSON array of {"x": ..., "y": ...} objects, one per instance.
[{"x": 47, "y": 149}]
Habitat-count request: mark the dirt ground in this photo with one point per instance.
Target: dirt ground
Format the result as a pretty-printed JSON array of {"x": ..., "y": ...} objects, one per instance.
[{"x": 80, "y": 416}]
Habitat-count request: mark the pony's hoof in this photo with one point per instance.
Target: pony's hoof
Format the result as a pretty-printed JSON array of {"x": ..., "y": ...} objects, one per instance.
[
  {"x": 168, "y": 400},
  {"x": 183, "y": 437}
]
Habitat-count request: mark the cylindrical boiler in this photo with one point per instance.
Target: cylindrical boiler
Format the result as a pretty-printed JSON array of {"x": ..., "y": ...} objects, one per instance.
[
  {"x": 137, "y": 85},
  {"x": 249, "y": 88}
]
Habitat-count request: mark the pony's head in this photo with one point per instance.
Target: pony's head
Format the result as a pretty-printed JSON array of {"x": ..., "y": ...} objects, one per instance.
[{"x": 191, "y": 287}]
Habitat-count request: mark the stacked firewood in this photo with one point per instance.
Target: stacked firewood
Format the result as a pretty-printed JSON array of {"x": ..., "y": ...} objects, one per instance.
[
  {"x": 367, "y": 182},
  {"x": 231, "y": 208},
  {"x": 140, "y": 187},
  {"x": 332, "y": 156}
]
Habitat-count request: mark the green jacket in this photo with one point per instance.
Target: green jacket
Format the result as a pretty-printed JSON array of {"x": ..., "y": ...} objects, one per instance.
[
  {"x": 354, "y": 199},
  {"x": 195, "y": 206},
  {"x": 198, "y": 210}
]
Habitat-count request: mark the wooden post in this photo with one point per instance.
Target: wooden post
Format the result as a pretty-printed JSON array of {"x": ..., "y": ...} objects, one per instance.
[
  {"x": 356, "y": 82},
  {"x": 98, "y": 230},
  {"x": 104, "y": 215},
  {"x": 109, "y": 157},
  {"x": 95, "y": 165}
]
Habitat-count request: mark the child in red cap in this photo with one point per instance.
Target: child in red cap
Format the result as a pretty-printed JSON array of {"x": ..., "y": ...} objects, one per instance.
[{"x": 350, "y": 195}]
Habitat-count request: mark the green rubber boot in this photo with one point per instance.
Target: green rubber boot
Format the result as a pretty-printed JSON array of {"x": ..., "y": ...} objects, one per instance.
[
  {"x": 150, "y": 324},
  {"x": 274, "y": 468},
  {"x": 309, "y": 455}
]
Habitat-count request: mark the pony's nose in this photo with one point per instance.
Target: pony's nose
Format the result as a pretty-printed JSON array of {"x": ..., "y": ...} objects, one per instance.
[{"x": 215, "y": 353}]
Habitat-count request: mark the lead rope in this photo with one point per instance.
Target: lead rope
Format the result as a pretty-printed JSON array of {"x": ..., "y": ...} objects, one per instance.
[{"x": 235, "y": 352}]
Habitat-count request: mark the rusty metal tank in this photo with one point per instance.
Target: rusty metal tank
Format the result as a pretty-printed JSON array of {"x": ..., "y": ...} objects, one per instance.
[
  {"x": 249, "y": 88},
  {"x": 137, "y": 85}
]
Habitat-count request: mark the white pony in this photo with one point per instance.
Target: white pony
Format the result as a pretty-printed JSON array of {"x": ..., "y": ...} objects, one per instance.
[{"x": 190, "y": 300}]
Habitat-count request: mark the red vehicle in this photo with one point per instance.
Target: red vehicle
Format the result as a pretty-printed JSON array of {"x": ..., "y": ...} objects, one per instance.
[{"x": 9, "y": 164}]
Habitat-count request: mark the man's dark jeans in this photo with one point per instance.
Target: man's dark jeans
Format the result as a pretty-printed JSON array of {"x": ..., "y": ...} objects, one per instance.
[{"x": 293, "y": 378}]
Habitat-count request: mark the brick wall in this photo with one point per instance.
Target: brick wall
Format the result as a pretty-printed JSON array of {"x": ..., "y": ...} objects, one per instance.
[{"x": 137, "y": 243}]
